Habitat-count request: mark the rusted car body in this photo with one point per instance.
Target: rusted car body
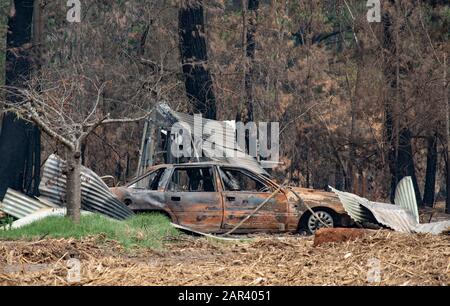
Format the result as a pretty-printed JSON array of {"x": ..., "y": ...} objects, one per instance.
[{"x": 212, "y": 197}]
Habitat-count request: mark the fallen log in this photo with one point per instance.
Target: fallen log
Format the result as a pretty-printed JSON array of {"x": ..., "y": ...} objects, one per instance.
[{"x": 326, "y": 235}]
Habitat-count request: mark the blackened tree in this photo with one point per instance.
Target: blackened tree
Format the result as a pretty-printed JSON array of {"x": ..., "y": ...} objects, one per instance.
[
  {"x": 19, "y": 139},
  {"x": 194, "y": 58},
  {"x": 250, "y": 47}
]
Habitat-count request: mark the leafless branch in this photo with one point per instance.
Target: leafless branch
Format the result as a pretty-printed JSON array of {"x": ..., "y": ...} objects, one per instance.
[
  {"x": 94, "y": 108},
  {"x": 34, "y": 116}
]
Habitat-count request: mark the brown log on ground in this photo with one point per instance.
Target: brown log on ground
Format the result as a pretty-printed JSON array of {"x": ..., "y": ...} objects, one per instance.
[{"x": 326, "y": 235}]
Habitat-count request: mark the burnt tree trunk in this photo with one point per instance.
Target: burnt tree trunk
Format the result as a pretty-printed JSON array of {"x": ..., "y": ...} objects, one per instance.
[
  {"x": 19, "y": 140},
  {"x": 338, "y": 177},
  {"x": 430, "y": 176},
  {"x": 447, "y": 134},
  {"x": 194, "y": 58},
  {"x": 405, "y": 162},
  {"x": 400, "y": 157},
  {"x": 245, "y": 110},
  {"x": 355, "y": 96},
  {"x": 250, "y": 46},
  {"x": 391, "y": 133},
  {"x": 73, "y": 187}
]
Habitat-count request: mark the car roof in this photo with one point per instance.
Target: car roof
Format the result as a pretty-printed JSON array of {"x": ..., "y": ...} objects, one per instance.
[
  {"x": 205, "y": 163},
  {"x": 193, "y": 164}
]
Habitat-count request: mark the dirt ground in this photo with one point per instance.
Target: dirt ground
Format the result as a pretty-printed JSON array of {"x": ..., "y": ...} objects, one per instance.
[{"x": 386, "y": 258}]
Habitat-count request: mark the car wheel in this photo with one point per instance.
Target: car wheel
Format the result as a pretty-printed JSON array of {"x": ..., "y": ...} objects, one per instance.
[
  {"x": 313, "y": 223},
  {"x": 127, "y": 202}
]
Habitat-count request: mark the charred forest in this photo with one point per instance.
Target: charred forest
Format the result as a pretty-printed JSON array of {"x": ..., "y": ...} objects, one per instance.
[{"x": 361, "y": 102}]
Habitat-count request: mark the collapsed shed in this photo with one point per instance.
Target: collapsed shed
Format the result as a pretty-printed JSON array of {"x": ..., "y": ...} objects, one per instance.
[{"x": 158, "y": 138}]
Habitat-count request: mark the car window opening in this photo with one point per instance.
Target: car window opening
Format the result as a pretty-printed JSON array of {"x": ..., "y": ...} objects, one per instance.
[
  {"x": 151, "y": 181},
  {"x": 235, "y": 180},
  {"x": 192, "y": 180}
]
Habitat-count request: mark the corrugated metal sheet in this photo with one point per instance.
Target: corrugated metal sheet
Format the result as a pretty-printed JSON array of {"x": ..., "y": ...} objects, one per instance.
[
  {"x": 406, "y": 197},
  {"x": 433, "y": 228},
  {"x": 163, "y": 116},
  {"x": 19, "y": 205},
  {"x": 41, "y": 214},
  {"x": 95, "y": 195},
  {"x": 353, "y": 207},
  {"x": 393, "y": 216}
]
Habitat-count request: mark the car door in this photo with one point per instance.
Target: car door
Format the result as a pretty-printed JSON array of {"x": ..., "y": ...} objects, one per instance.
[
  {"x": 147, "y": 193},
  {"x": 193, "y": 197},
  {"x": 242, "y": 193}
]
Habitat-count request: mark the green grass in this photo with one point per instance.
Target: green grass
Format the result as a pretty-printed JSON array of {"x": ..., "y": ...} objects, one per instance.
[{"x": 144, "y": 230}]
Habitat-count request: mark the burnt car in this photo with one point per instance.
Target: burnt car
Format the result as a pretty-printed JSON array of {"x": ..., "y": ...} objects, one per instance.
[{"x": 212, "y": 197}]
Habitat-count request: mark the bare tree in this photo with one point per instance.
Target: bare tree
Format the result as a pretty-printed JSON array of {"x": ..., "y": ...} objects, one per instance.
[{"x": 57, "y": 111}]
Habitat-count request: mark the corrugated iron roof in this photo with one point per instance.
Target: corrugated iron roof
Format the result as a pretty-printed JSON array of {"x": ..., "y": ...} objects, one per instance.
[
  {"x": 393, "y": 216},
  {"x": 95, "y": 195},
  {"x": 163, "y": 116},
  {"x": 19, "y": 205},
  {"x": 41, "y": 214},
  {"x": 406, "y": 197},
  {"x": 402, "y": 217},
  {"x": 353, "y": 207},
  {"x": 433, "y": 228}
]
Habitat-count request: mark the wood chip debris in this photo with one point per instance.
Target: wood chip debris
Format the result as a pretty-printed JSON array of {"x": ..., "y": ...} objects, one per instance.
[{"x": 402, "y": 259}]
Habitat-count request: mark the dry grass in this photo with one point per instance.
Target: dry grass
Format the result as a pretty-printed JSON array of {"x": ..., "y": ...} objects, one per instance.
[{"x": 288, "y": 260}]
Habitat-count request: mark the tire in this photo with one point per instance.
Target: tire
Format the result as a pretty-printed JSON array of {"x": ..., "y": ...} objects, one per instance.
[
  {"x": 127, "y": 202},
  {"x": 312, "y": 224}
]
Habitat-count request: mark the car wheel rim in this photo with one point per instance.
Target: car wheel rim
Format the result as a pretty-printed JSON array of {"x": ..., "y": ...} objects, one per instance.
[{"x": 314, "y": 223}]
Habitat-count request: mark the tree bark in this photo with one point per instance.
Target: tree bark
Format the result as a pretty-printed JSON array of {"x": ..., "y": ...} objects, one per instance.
[
  {"x": 390, "y": 125},
  {"x": 430, "y": 176},
  {"x": 194, "y": 58},
  {"x": 338, "y": 177},
  {"x": 355, "y": 96},
  {"x": 249, "y": 63},
  {"x": 73, "y": 186},
  {"x": 352, "y": 149},
  {"x": 19, "y": 140},
  {"x": 447, "y": 133},
  {"x": 405, "y": 162}
]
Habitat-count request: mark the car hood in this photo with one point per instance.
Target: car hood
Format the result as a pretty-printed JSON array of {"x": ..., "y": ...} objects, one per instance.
[{"x": 315, "y": 198}]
